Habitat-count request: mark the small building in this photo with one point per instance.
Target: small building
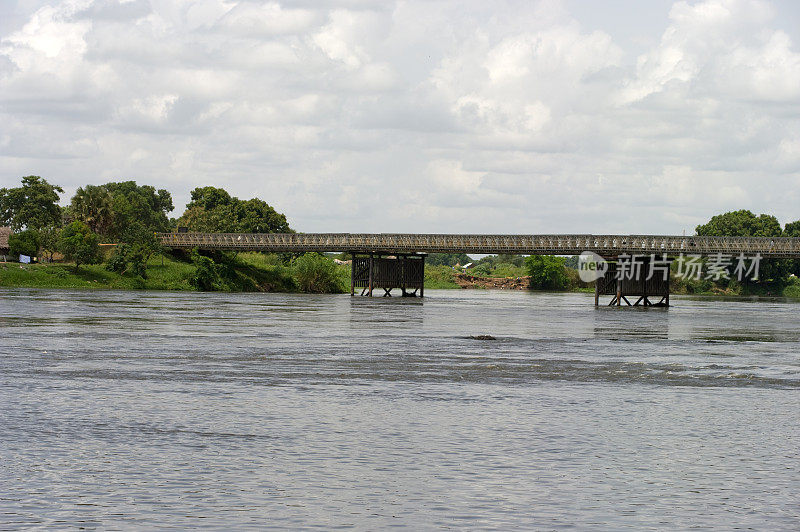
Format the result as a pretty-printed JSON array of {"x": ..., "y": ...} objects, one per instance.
[{"x": 5, "y": 232}]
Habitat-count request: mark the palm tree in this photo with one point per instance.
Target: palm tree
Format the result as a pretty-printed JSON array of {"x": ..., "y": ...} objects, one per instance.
[{"x": 92, "y": 205}]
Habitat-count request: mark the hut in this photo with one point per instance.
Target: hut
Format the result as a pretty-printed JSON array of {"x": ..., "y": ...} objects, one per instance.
[{"x": 5, "y": 232}]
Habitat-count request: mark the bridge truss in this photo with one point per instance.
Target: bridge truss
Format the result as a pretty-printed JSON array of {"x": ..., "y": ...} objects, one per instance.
[{"x": 395, "y": 243}]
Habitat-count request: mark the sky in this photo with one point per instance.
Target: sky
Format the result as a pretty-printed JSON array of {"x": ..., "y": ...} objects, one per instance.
[{"x": 570, "y": 116}]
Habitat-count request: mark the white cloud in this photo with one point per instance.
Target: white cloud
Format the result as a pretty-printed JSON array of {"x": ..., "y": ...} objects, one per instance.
[{"x": 413, "y": 115}]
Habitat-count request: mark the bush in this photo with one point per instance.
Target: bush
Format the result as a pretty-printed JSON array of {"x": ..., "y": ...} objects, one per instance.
[
  {"x": 317, "y": 274},
  {"x": 78, "y": 243},
  {"x": 24, "y": 243},
  {"x": 206, "y": 276},
  {"x": 793, "y": 290},
  {"x": 129, "y": 259},
  {"x": 547, "y": 272}
]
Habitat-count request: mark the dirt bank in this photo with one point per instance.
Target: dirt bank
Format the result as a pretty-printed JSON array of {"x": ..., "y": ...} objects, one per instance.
[{"x": 501, "y": 283}]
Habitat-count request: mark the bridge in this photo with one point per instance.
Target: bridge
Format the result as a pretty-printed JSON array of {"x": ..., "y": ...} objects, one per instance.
[{"x": 393, "y": 260}]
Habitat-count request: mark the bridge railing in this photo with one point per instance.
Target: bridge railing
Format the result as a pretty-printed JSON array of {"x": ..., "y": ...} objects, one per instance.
[{"x": 607, "y": 245}]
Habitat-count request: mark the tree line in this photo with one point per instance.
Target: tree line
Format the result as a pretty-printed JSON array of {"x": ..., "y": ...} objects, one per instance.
[{"x": 122, "y": 213}]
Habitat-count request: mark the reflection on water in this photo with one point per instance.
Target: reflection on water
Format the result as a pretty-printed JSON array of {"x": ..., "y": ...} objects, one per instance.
[{"x": 143, "y": 409}]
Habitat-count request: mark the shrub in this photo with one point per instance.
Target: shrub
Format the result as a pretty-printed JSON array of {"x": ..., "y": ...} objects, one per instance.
[
  {"x": 317, "y": 274},
  {"x": 547, "y": 272},
  {"x": 24, "y": 243},
  {"x": 206, "y": 275},
  {"x": 78, "y": 243}
]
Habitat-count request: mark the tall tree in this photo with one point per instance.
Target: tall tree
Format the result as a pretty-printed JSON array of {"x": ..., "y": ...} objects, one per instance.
[
  {"x": 93, "y": 205},
  {"x": 143, "y": 204},
  {"x": 745, "y": 223},
  {"x": 213, "y": 210},
  {"x": 793, "y": 230},
  {"x": 741, "y": 223},
  {"x": 33, "y": 205}
]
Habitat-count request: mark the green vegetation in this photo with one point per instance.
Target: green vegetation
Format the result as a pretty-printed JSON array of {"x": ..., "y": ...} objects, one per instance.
[
  {"x": 440, "y": 277},
  {"x": 244, "y": 272},
  {"x": 547, "y": 273},
  {"x": 447, "y": 259},
  {"x": 79, "y": 244},
  {"x": 213, "y": 210},
  {"x": 318, "y": 274},
  {"x": 33, "y": 205},
  {"x": 24, "y": 243}
]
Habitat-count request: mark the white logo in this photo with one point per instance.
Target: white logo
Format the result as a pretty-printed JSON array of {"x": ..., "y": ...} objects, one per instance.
[{"x": 591, "y": 266}]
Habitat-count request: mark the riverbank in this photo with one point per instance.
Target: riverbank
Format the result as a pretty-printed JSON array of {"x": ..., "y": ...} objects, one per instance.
[
  {"x": 248, "y": 274},
  {"x": 255, "y": 272}
]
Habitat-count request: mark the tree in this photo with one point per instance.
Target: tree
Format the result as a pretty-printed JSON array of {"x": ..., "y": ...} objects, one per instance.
[
  {"x": 741, "y": 223},
  {"x": 24, "y": 243},
  {"x": 78, "y": 243},
  {"x": 448, "y": 259},
  {"x": 93, "y": 206},
  {"x": 745, "y": 223},
  {"x": 138, "y": 245},
  {"x": 131, "y": 203},
  {"x": 213, "y": 210},
  {"x": 547, "y": 273},
  {"x": 49, "y": 240},
  {"x": 33, "y": 205},
  {"x": 792, "y": 230}
]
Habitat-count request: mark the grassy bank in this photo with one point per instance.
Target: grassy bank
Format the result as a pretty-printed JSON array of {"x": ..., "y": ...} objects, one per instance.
[
  {"x": 249, "y": 272},
  {"x": 257, "y": 272}
]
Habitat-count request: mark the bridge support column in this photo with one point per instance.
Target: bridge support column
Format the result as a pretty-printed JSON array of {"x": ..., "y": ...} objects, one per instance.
[{"x": 405, "y": 272}]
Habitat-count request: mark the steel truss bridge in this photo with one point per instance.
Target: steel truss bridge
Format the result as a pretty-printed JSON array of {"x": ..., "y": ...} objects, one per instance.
[{"x": 393, "y": 243}]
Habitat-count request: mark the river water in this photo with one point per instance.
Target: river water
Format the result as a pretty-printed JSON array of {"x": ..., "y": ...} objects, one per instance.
[{"x": 141, "y": 410}]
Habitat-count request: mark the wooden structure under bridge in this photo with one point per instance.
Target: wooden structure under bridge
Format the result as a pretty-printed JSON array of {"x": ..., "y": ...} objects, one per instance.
[
  {"x": 634, "y": 282},
  {"x": 405, "y": 272}
]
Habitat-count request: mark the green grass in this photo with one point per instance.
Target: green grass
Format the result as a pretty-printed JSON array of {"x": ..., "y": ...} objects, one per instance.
[
  {"x": 173, "y": 275},
  {"x": 252, "y": 272},
  {"x": 439, "y": 277}
]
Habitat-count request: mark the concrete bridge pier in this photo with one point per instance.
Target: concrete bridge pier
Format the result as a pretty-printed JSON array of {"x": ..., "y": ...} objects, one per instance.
[
  {"x": 382, "y": 271},
  {"x": 633, "y": 283}
]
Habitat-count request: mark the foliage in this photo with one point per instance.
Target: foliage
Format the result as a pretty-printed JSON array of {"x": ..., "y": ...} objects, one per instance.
[
  {"x": 49, "y": 240},
  {"x": 447, "y": 259},
  {"x": 741, "y": 223},
  {"x": 134, "y": 204},
  {"x": 438, "y": 276},
  {"x": 131, "y": 256},
  {"x": 502, "y": 258},
  {"x": 93, "y": 205},
  {"x": 745, "y": 223},
  {"x": 24, "y": 243},
  {"x": 482, "y": 270},
  {"x": 317, "y": 274},
  {"x": 793, "y": 288},
  {"x": 547, "y": 272},
  {"x": 79, "y": 243},
  {"x": 33, "y": 205},
  {"x": 206, "y": 276},
  {"x": 505, "y": 269},
  {"x": 213, "y": 210}
]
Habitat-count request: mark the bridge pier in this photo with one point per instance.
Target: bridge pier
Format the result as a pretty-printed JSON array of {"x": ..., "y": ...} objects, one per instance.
[
  {"x": 634, "y": 284},
  {"x": 386, "y": 272}
]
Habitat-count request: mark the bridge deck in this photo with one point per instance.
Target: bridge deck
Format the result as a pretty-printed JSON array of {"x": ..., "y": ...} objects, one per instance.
[{"x": 604, "y": 245}]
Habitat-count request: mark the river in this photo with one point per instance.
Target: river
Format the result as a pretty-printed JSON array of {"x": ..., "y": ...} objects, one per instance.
[{"x": 141, "y": 410}]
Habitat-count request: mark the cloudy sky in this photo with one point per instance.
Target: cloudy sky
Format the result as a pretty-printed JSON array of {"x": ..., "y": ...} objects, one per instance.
[{"x": 619, "y": 116}]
